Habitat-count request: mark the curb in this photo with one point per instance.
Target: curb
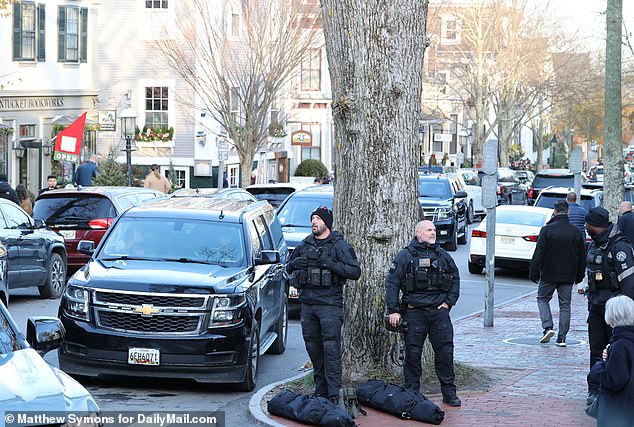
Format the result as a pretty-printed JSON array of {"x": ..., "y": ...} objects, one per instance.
[
  {"x": 254, "y": 404},
  {"x": 255, "y": 407}
]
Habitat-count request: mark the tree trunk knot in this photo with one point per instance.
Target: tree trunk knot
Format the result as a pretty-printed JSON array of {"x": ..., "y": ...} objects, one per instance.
[
  {"x": 398, "y": 89},
  {"x": 342, "y": 105},
  {"x": 381, "y": 234}
]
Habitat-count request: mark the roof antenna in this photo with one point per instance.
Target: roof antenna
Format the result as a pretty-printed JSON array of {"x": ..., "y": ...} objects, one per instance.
[{"x": 222, "y": 215}]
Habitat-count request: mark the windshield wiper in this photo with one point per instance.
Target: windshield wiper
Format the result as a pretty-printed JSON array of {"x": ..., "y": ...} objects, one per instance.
[
  {"x": 66, "y": 219},
  {"x": 295, "y": 225},
  {"x": 188, "y": 261},
  {"x": 128, "y": 257}
]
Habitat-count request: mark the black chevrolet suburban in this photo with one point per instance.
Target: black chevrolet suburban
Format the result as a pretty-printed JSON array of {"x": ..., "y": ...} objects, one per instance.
[
  {"x": 446, "y": 206},
  {"x": 190, "y": 287}
]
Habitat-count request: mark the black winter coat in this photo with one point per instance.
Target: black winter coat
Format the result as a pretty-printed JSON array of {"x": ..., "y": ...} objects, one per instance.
[
  {"x": 626, "y": 225},
  {"x": 6, "y": 192},
  {"x": 342, "y": 263},
  {"x": 616, "y": 380},
  {"x": 396, "y": 277},
  {"x": 560, "y": 254}
]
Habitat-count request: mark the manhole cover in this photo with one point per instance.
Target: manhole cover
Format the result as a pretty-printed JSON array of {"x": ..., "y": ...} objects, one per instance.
[{"x": 570, "y": 342}]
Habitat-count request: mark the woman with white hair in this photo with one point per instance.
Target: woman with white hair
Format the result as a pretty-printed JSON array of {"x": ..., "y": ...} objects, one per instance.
[{"x": 615, "y": 373}]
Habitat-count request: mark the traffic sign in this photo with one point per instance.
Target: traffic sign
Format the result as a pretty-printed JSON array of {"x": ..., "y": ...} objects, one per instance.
[
  {"x": 489, "y": 191},
  {"x": 576, "y": 160},
  {"x": 490, "y": 157}
]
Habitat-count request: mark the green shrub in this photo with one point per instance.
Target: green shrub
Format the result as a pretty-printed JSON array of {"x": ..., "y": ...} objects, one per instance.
[
  {"x": 110, "y": 172},
  {"x": 312, "y": 167}
]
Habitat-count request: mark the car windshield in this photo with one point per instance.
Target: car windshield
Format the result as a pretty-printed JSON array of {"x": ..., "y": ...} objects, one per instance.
[
  {"x": 297, "y": 210},
  {"x": 175, "y": 239},
  {"x": 541, "y": 181},
  {"x": 548, "y": 200},
  {"x": 506, "y": 175},
  {"x": 432, "y": 187},
  {"x": 536, "y": 219},
  {"x": 275, "y": 196},
  {"x": 72, "y": 209}
]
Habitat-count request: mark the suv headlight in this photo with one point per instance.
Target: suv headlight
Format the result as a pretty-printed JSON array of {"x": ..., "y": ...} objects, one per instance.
[
  {"x": 226, "y": 310},
  {"x": 75, "y": 302},
  {"x": 444, "y": 213}
]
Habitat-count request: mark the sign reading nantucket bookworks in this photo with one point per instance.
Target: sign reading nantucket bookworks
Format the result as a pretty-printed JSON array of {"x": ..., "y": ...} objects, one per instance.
[
  {"x": 302, "y": 137},
  {"x": 31, "y": 103}
]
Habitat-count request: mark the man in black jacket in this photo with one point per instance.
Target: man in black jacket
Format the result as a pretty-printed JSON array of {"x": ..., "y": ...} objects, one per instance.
[
  {"x": 320, "y": 266},
  {"x": 429, "y": 281},
  {"x": 558, "y": 263},
  {"x": 6, "y": 191},
  {"x": 626, "y": 221}
]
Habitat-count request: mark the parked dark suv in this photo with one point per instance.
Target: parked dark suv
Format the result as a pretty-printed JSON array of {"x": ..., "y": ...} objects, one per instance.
[
  {"x": 86, "y": 213},
  {"x": 35, "y": 255},
  {"x": 187, "y": 287},
  {"x": 446, "y": 207},
  {"x": 550, "y": 177}
]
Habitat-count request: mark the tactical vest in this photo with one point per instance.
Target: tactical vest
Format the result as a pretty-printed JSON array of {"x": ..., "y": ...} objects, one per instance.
[
  {"x": 314, "y": 276},
  {"x": 601, "y": 272},
  {"x": 426, "y": 274}
]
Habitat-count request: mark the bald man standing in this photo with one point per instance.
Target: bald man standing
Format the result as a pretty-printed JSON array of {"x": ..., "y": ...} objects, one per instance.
[
  {"x": 428, "y": 282},
  {"x": 626, "y": 221}
]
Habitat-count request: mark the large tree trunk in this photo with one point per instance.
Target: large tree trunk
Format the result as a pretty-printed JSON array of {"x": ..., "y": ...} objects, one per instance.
[
  {"x": 375, "y": 53},
  {"x": 613, "y": 144}
]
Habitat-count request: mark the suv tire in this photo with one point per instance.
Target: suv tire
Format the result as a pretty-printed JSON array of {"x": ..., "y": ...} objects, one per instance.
[
  {"x": 281, "y": 329},
  {"x": 463, "y": 240},
  {"x": 470, "y": 213},
  {"x": 475, "y": 268},
  {"x": 55, "y": 278},
  {"x": 251, "y": 369}
]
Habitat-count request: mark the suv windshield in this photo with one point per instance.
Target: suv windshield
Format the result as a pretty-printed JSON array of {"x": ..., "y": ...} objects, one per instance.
[
  {"x": 73, "y": 209},
  {"x": 434, "y": 187},
  {"x": 543, "y": 181},
  {"x": 178, "y": 240},
  {"x": 296, "y": 212}
]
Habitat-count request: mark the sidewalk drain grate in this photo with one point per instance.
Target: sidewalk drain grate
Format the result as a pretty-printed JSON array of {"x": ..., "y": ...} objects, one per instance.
[{"x": 534, "y": 341}]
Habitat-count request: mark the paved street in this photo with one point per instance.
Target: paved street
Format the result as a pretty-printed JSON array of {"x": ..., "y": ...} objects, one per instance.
[{"x": 119, "y": 393}]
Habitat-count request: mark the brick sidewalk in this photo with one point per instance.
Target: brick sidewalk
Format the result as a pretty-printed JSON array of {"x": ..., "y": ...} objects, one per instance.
[{"x": 549, "y": 386}]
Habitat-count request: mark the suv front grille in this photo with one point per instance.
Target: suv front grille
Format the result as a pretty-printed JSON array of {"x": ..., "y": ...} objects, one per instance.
[
  {"x": 139, "y": 299},
  {"x": 431, "y": 214},
  {"x": 150, "y": 313},
  {"x": 155, "y": 324}
]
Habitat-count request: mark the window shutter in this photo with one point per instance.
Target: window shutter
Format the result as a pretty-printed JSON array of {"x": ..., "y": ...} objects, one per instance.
[
  {"x": 17, "y": 31},
  {"x": 83, "y": 43},
  {"x": 61, "y": 33},
  {"x": 41, "y": 39}
]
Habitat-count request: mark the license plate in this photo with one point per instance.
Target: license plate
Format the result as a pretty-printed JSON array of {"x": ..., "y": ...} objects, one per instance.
[
  {"x": 507, "y": 239},
  {"x": 143, "y": 356},
  {"x": 67, "y": 234}
]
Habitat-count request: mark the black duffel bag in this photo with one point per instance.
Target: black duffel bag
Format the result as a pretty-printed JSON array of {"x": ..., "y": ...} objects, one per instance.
[
  {"x": 309, "y": 410},
  {"x": 395, "y": 400}
]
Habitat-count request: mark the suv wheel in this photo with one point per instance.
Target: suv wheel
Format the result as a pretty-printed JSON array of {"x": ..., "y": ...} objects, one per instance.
[
  {"x": 55, "y": 279},
  {"x": 470, "y": 213},
  {"x": 475, "y": 268},
  {"x": 463, "y": 239},
  {"x": 281, "y": 329},
  {"x": 251, "y": 370}
]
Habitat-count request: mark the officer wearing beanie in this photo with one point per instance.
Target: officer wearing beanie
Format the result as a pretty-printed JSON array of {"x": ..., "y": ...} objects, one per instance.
[
  {"x": 610, "y": 263},
  {"x": 429, "y": 282},
  {"x": 319, "y": 267}
]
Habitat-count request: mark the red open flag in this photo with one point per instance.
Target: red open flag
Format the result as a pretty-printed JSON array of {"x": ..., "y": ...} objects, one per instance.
[{"x": 68, "y": 142}]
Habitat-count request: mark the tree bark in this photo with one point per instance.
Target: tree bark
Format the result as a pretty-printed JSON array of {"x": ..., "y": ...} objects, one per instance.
[
  {"x": 613, "y": 144},
  {"x": 375, "y": 52}
]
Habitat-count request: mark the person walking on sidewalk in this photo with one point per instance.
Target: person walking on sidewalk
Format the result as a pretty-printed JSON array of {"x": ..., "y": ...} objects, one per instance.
[
  {"x": 428, "y": 281},
  {"x": 576, "y": 213},
  {"x": 86, "y": 172},
  {"x": 156, "y": 181},
  {"x": 319, "y": 268},
  {"x": 626, "y": 221},
  {"x": 615, "y": 372},
  {"x": 559, "y": 261},
  {"x": 610, "y": 262}
]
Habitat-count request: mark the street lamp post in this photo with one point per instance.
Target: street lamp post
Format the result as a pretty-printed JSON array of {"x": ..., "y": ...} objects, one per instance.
[
  {"x": 128, "y": 128},
  {"x": 553, "y": 142}
]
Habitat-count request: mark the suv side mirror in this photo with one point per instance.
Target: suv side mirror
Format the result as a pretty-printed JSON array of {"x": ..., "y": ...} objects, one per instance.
[
  {"x": 86, "y": 247},
  {"x": 268, "y": 257},
  {"x": 39, "y": 223},
  {"x": 460, "y": 194},
  {"x": 44, "y": 333}
]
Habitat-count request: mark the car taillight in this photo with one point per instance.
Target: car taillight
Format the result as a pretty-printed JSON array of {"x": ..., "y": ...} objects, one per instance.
[
  {"x": 499, "y": 190},
  {"x": 478, "y": 233},
  {"x": 530, "y": 193},
  {"x": 530, "y": 238},
  {"x": 100, "y": 223}
]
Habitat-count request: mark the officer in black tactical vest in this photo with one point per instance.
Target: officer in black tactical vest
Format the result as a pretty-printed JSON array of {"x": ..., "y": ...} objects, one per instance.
[
  {"x": 429, "y": 282},
  {"x": 610, "y": 262},
  {"x": 319, "y": 268}
]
